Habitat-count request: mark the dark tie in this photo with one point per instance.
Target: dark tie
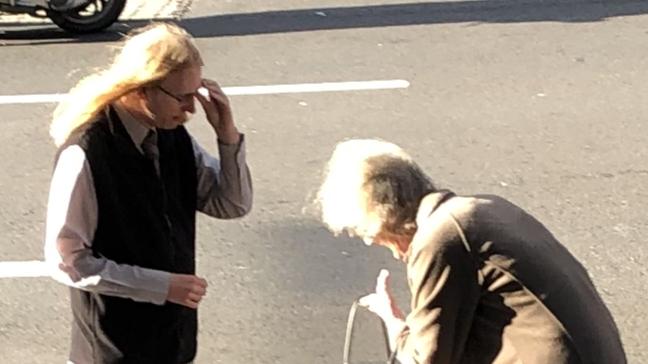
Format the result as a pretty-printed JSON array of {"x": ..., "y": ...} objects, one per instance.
[{"x": 150, "y": 149}]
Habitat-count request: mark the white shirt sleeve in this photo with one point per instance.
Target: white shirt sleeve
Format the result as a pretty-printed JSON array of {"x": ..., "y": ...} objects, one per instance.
[{"x": 71, "y": 224}]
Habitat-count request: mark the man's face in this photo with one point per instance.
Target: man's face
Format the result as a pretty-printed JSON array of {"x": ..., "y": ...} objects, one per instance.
[
  {"x": 173, "y": 99},
  {"x": 398, "y": 245}
]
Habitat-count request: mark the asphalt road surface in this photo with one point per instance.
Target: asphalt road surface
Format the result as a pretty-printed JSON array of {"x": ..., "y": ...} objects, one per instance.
[{"x": 542, "y": 102}]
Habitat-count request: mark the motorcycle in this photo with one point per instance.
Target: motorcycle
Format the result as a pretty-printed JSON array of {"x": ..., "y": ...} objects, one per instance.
[{"x": 75, "y": 16}]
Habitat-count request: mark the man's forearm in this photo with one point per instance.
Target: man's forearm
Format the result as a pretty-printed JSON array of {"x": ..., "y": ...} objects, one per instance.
[
  {"x": 103, "y": 276},
  {"x": 225, "y": 186}
]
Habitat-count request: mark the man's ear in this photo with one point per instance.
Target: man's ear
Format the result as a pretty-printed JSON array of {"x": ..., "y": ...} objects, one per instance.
[
  {"x": 136, "y": 96},
  {"x": 143, "y": 100}
]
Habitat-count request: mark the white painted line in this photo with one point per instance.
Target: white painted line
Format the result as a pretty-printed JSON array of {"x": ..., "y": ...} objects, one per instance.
[
  {"x": 31, "y": 99},
  {"x": 243, "y": 90},
  {"x": 34, "y": 268},
  {"x": 317, "y": 87}
]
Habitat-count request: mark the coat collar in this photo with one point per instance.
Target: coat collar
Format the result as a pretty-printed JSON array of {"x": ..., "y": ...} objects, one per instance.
[{"x": 430, "y": 203}]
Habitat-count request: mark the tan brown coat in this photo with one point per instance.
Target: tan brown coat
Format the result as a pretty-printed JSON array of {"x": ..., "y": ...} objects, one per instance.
[{"x": 490, "y": 284}]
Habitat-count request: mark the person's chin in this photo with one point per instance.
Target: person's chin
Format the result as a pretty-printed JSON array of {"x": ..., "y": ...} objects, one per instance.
[
  {"x": 394, "y": 252},
  {"x": 397, "y": 254},
  {"x": 174, "y": 123},
  {"x": 180, "y": 120}
]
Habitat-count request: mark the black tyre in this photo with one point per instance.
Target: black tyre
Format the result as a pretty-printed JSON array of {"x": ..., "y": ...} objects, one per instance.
[{"x": 98, "y": 15}]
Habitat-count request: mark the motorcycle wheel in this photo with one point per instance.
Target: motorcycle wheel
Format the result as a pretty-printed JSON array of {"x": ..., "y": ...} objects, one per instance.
[{"x": 98, "y": 15}]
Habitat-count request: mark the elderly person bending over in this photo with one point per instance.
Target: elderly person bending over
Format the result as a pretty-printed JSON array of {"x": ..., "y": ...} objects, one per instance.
[{"x": 489, "y": 283}]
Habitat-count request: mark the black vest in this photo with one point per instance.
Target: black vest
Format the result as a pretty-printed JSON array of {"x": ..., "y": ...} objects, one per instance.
[{"x": 143, "y": 220}]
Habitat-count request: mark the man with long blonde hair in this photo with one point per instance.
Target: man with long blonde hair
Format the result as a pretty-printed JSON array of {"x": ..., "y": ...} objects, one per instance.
[
  {"x": 488, "y": 282},
  {"x": 125, "y": 190}
]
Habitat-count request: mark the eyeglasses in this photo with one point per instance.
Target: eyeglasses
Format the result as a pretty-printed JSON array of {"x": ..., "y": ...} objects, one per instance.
[{"x": 183, "y": 99}]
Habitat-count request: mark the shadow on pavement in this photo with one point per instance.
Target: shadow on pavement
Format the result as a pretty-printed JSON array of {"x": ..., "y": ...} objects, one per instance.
[
  {"x": 21, "y": 34},
  {"x": 420, "y": 13}
]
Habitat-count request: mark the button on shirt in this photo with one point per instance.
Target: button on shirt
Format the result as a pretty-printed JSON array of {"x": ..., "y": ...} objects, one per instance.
[{"x": 224, "y": 190}]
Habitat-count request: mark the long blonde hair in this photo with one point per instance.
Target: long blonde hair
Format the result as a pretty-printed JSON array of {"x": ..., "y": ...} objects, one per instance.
[{"x": 148, "y": 55}]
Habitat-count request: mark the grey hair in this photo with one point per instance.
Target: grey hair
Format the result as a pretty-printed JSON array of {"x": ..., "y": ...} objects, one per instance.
[{"x": 372, "y": 186}]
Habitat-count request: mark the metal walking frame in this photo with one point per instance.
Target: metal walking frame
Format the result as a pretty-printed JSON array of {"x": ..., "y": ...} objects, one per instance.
[{"x": 349, "y": 337}]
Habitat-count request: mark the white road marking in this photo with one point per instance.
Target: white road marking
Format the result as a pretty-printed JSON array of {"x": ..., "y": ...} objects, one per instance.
[
  {"x": 243, "y": 90},
  {"x": 31, "y": 99},
  {"x": 317, "y": 87},
  {"x": 23, "y": 269}
]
